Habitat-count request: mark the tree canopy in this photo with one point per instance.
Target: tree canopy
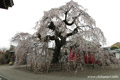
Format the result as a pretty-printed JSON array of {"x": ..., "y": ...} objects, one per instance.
[
  {"x": 115, "y": 46},
  {"x": 67, "y": 26},
  {"x": 59, "y": 24}
]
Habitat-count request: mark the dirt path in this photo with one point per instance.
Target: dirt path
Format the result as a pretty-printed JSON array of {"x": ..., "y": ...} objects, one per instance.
[{"x": 20, "y": 73}]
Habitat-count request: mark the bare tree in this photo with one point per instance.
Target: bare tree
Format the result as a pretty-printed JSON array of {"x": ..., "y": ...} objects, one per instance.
[{"x": 59, "y": 24}]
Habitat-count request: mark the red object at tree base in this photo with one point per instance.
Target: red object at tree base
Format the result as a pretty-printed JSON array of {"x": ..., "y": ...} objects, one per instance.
[{"x": 88, "y": 59}]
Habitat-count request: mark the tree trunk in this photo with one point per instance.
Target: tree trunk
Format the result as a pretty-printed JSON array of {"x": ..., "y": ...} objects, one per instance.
[{"x": 56, "y": 53}]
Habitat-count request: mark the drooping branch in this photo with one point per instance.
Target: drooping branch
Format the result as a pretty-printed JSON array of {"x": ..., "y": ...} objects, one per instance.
[{"x": 20, "y": 37}]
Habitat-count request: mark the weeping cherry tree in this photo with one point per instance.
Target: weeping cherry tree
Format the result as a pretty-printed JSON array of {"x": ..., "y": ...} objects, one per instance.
[
  {"x": 23, "y": 47},
  {"x": 60, "y": 24}
]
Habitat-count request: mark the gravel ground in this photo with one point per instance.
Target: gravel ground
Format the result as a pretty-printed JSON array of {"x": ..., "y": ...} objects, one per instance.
[{"x": 20, "y": 73}]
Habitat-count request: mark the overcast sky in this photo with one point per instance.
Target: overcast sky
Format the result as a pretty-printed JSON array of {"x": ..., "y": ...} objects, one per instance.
[{"x": 25, "y": 13}]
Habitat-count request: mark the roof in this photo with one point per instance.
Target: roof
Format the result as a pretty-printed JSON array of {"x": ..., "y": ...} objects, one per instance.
[
  {"x": 5, "y": 4},
  {"x": 115, "y": 51}
]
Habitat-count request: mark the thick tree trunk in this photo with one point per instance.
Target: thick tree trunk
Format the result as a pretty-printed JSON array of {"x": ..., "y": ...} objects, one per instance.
[
  {"x": 58, "y": 45},
  {"x": 56, "y": 53}
]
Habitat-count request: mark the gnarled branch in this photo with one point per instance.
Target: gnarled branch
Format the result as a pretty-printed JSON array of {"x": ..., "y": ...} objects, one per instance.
[{"x": 65, "y": 21}]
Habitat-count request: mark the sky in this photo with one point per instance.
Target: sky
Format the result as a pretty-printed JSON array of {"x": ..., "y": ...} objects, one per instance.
[{"x": 23, "y": 16}]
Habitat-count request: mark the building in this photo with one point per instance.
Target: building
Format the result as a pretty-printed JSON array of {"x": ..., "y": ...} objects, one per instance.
[
  {"x": 5, "y": 4},
  {"x": 116, "y": 52}
]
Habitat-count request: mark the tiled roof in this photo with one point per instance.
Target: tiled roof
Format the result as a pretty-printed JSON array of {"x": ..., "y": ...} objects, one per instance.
[{"x": 5, "y": 4}]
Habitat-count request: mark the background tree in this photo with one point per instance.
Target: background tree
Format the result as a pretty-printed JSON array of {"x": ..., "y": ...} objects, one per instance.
[
  {"x": 23, "y": 47},
  {"x": 20, "y": 37},
  {"x": 31, "y": 50},
  {"x": 115, "y": 46},
  {"x": 59, "y": 24}
]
